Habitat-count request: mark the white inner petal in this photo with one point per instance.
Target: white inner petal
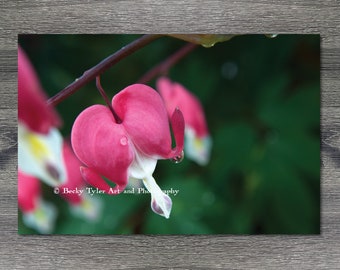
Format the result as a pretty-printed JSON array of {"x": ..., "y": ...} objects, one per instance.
[
  {"x": 143, "y": 168},
  {"x": 41, "y": 155}
]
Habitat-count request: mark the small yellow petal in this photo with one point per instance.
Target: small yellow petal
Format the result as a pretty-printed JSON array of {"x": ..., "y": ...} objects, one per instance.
[{"x": 38, "y": 148}]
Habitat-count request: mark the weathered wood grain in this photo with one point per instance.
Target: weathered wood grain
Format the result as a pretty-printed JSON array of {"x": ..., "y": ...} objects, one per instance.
[{"x": 172, "y": 252}]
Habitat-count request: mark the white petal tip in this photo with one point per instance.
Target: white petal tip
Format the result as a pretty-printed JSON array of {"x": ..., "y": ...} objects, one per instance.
[
  {"x": 162, "y": 205},
  {"x": 197, "y": 149},
  {"x": 41, "y": 219}
]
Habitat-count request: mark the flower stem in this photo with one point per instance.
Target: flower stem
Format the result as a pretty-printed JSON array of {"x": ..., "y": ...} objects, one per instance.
[
  {"x": 107, "y": 101},
  {"x": 101, "y": 67},
  {"x": 163, "y": 67}
]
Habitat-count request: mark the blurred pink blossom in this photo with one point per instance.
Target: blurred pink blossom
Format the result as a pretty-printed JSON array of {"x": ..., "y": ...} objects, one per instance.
[
  {"x": 40, "y": 142},
  {"x": 37, "y": 214},
  {"x": 197, "y": 138}
]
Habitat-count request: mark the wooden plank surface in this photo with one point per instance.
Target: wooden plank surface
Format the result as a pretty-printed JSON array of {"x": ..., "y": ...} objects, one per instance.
[{"x": 172, "y": 252}]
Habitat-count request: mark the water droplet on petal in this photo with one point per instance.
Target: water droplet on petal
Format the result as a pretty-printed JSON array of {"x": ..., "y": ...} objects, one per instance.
[
  {"x": 178, "y": 158},
  {"x": 123, "y": 141}
]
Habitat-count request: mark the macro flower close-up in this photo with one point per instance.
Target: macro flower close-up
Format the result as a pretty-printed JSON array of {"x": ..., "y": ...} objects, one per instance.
[
  {"x": 128, "y": 146},
  {"x": 170, "y": 134}
]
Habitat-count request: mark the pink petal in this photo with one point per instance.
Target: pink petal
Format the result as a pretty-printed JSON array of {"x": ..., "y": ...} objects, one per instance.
[
  {"x": 176, "y": 95},
  {"x": 165, "y": 88},
  {"x": 145, "y": 119},
  {"x": 73, "y": 179},
  {"x": 94, "y": 179},
  {"x": 102, "y": 145},
  {"x": 32, "y": 107},
  {"x": 28, "y": 192},
  {"x": 177, "y": 124}
]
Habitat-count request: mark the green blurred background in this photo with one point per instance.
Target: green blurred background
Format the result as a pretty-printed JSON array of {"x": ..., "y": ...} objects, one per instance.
[{"x": 262, "y": 102}]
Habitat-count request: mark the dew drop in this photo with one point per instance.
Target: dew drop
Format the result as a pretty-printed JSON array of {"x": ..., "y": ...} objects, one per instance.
[
  {"x": 179, "y": 158},
  {"x": 208, "y": 44},
  {"x": 123, "y": 140},
  {"x": 271, "y": 35}
]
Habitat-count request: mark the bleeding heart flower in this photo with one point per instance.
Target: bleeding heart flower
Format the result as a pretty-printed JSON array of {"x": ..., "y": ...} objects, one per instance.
[
  {"x": 128, "y": 147},
  {"x": 40, "y": 143},
  {"x": 37, "y": 214},
  {"x": 74, "y": 190},
  {"x": 197, "y": 139}
]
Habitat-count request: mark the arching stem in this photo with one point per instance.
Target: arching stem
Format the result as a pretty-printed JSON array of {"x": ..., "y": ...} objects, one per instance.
[
  {"x": 163, "y": 67},
  {"x": 108, "y": 62},
  {"x": 107, "y": 101}
]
